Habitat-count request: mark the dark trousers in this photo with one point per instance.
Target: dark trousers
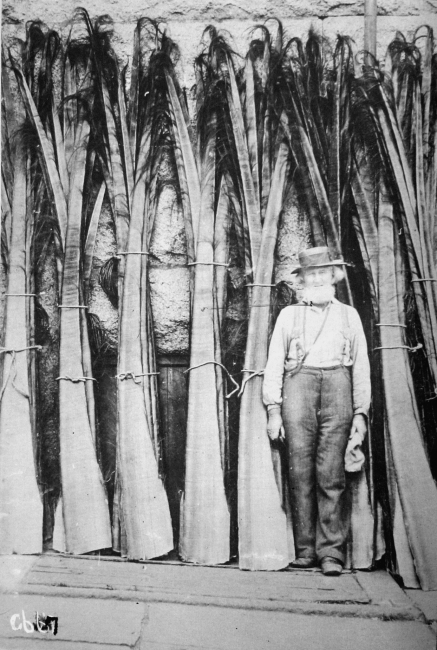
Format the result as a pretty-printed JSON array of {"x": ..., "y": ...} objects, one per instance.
[{"x": 317, "y": 414}]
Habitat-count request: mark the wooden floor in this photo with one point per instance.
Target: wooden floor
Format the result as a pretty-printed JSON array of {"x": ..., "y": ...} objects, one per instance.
[
  {"x": 103, "y": 603},
  {"x": 372, "y": 594}
]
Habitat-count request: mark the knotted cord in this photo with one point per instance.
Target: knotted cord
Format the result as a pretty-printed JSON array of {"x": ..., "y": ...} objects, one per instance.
[{"x": 237, "y": 387}]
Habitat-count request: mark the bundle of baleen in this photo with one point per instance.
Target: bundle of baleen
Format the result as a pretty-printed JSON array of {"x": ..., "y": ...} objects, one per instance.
[
  {"x": 394, "y": 124},
  {"x": 205, "y": 519},
  {"x": 64, "y": 158},
  {"x": 42, "y": 55},
  {"x": 21, "y": 505},
  {"x": 133, "y": 144},
  {"x": 263, "y": 537}
]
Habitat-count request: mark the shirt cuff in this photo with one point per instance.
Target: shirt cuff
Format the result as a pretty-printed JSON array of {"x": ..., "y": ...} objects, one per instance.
[
  {"x": 273, "y": 407},
  {"x": 361, "y": 411}
]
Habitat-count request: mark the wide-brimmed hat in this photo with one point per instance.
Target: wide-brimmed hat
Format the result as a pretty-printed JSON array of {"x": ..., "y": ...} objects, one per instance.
[{"x": 318, "y": 256}]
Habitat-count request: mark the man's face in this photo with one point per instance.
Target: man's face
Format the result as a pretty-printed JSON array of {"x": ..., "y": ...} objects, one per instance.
[{"x": 318, "y": 276}]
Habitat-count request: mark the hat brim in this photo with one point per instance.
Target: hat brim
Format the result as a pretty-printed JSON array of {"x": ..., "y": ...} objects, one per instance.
[{"x": 312, "y": 266}]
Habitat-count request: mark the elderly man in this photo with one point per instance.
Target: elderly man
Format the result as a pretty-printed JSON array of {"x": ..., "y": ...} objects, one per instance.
[{"x": 317, "y": 392}]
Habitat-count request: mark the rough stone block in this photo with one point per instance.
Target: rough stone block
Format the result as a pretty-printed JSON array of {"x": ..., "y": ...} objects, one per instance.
[
  {"x": 188, "y": 37},
  {"x": 426, "y": 601},
  {"x": 293, "y": 236},
  {"x": 168, "y": 243},
  {"x": 170, "y": 305},
  {"x": 386, "y": 29},
  {"x": 394, "y": 15},
  {"x": 80, "y": 620},
  {"x": 169, "y": 275},
  {"x": 17, "y": 11},
  {"x": 382, "y": 589},
  {"x": 232, "y": 629},
  {"x": 13, "y": 569},
  {"x": 328, "y": 8}
]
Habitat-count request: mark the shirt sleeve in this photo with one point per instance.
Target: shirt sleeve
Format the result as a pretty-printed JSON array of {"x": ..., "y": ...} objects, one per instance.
[
  {"x": 361, "y": 387},
  {"x": 274, "y": 370}
]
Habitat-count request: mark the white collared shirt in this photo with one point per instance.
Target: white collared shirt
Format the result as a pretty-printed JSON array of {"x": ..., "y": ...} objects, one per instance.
[{"x": 341, "y": 342}]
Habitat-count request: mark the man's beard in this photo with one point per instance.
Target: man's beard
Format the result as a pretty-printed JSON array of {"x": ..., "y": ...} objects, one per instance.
[{"x": 319, "y": 295}]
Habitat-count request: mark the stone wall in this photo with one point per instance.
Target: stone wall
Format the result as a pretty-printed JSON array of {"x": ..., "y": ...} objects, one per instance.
[{"x": 186, "y": 22}]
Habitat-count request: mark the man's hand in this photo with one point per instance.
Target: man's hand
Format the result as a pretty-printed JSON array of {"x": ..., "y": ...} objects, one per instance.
[
  {"x": 354, "y": 457},
  {"x": 275, "y": 428},
  {"x": 358, "y": 430}
]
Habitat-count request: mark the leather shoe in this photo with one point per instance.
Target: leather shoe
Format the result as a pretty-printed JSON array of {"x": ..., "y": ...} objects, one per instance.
[
  {"x": 303, "y": 563},
  {"x": 331, "y": 567}
]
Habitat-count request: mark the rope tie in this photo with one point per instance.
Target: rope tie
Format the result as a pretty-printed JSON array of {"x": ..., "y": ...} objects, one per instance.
[
  {"x": 419, "y": 346},
  {"x": 253, "y": 373},
  {"x": 29, "y": 347},
  {"x": 237, "y": 387},
  {"x": 208, "y": 264},
  {"x": 21, "y": 294},
  {"x": 13, "y": 369},
  {"x": 72, "y": 306},
  {"x": 133, "y": 253},
  {"x": 75, "y": 380},
  {"x": 425, "y": 280},
  {"x": 132, "y": 375},
  {"x": 389, "y": 325}
]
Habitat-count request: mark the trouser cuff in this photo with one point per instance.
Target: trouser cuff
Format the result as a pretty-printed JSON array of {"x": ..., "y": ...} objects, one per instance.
[{"x": 337, "y": 555}]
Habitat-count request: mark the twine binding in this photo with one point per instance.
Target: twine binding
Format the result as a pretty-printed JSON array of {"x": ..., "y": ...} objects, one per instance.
[
  {"x": 132, "y": 375},
  {"x": 207, "y": 264},
  {"x": 13, "y": 368},
  {"x": 254, "y": 373},
  {"x": 237, "y": 387},
  {"x": 419, "y": 346},
  {"x": 75, "y": 380},
  {"x": 133, "y": 253},
  {"x": 29, "y": 347}
]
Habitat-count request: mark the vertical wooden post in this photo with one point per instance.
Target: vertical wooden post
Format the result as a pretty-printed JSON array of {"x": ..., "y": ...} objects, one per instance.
[
  {"x": 370, "y": 14},
  {"x": 173, "y": 405}
]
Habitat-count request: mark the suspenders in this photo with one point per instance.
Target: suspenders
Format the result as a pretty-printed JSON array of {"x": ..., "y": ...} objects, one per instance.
[
  {"x": 345, "y": 319},
  {"x": 298, "y": 332}
]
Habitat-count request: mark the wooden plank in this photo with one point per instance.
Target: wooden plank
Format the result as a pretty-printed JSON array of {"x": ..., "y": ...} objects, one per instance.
[
  {"x": 173, "y": 401},
  {"x": 310, "y": 586}
]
